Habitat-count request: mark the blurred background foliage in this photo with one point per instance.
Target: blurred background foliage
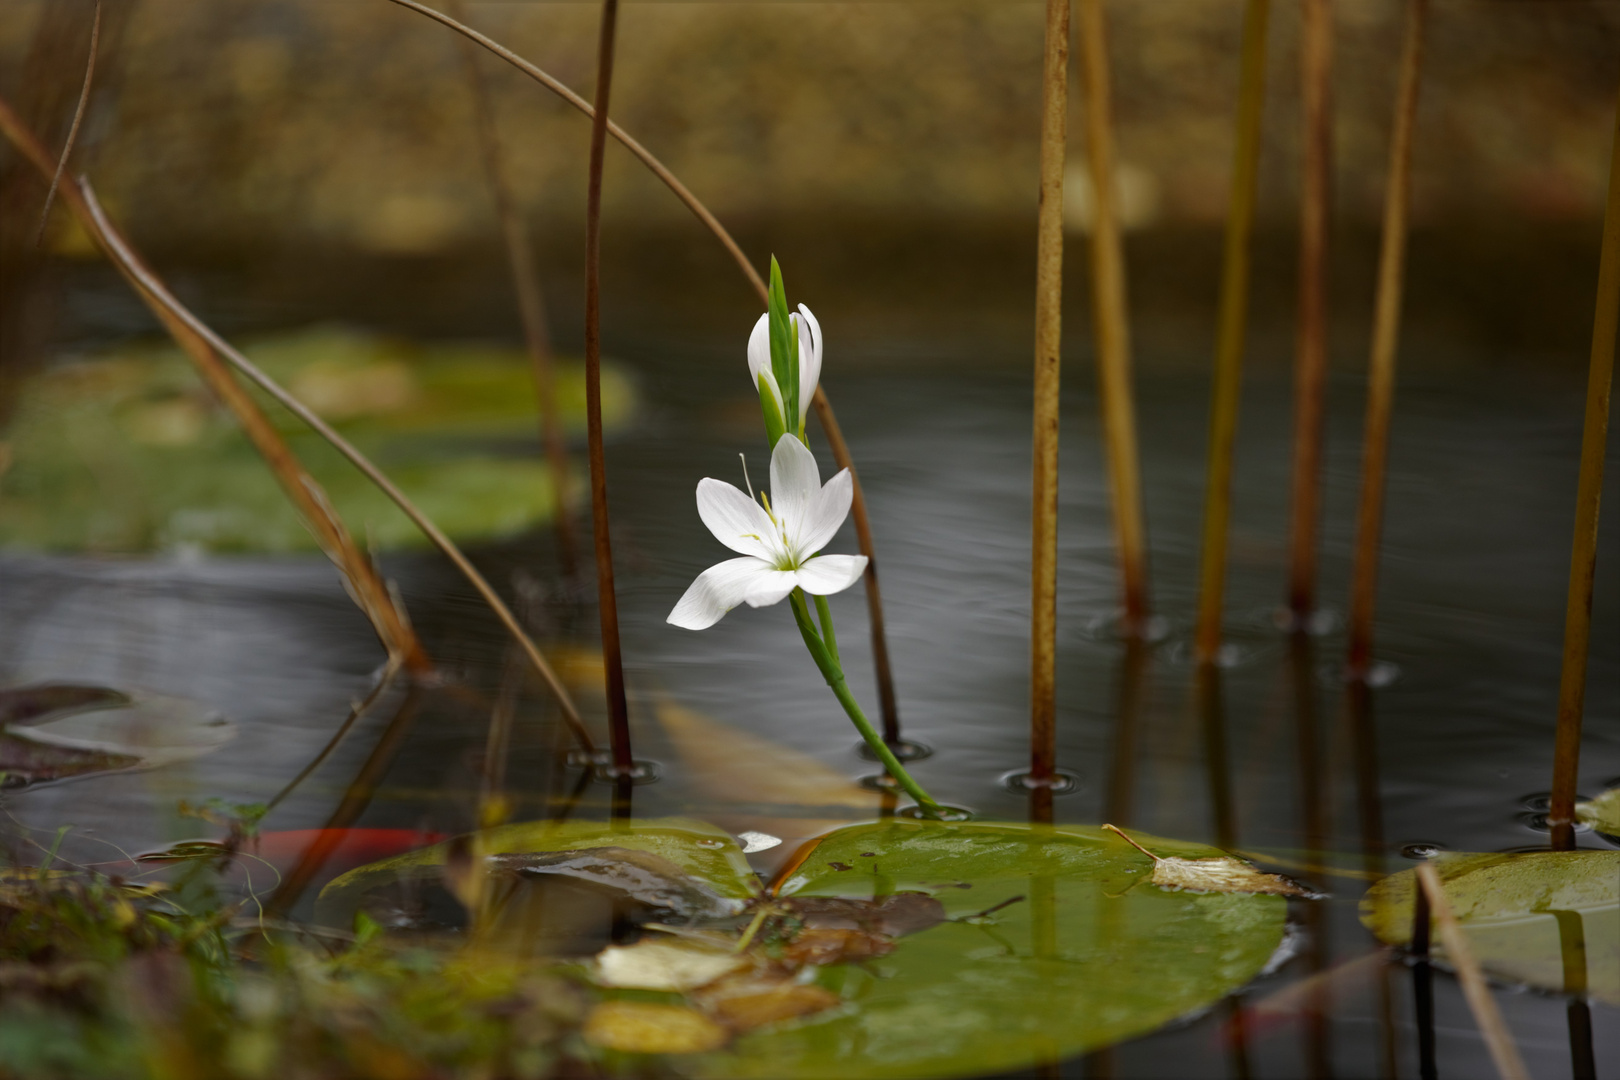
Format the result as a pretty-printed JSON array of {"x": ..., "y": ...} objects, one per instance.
[{"x": 885, "y": 150}]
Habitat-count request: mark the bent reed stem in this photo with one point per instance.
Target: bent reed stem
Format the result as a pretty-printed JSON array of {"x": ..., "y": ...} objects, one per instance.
[
  {"x": 834, "y": 674},
  {"x": 1230, "y": 332},
  {"x": 1386, "y": 336},
  {"x": 1588, "y": 494},
  {"x": 80, "y": 198},
  {"x": 823, "y": 406}
]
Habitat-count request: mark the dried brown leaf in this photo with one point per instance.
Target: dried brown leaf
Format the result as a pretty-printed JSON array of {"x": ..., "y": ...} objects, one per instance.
[{"x": 1223, "y": 874}]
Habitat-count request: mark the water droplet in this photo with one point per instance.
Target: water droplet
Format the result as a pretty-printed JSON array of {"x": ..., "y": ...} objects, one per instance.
[
  {"x": 712, "y": 845},
  {"x": 947, "y": 813},
  {"x": 1422, "y": 849}
]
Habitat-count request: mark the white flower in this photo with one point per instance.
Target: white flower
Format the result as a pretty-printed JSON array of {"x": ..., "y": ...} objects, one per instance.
[
  {"x": 778, "y": 544},
  {"x": 759, "y": 359}
]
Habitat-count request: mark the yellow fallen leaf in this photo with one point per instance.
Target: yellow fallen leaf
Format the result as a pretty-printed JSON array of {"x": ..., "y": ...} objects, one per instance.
[
  {"x": 1223, "y": 874},
  {"x": 640, "y": 1027},
  {"x": 665, "y": 965}
]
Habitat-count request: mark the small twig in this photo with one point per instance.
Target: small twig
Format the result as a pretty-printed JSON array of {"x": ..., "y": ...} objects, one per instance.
[
  {"x": 1498, "y": 1039},
  {"x": 1589, "y": 491},
  {"x": 1048, "y": 375},
  {"x": 1386, "y": 335},
  {"x": 1122, "y": 834},
  {"x": 359, "y": 709},
  {"x": 73, "y": 130},
  {"x": 993, "y": 908}
]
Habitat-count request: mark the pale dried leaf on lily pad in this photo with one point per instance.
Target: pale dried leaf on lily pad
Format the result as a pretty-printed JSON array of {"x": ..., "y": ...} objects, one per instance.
[
  {"x": 641, "y": 1027},
  {"x": 1602, "y": 813},
  {"x": 665, "y": 965},
  {"x": 1223, "y": 874}
]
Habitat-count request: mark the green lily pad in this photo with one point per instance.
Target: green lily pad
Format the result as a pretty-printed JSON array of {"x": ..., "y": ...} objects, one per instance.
[
  {"x": 1602, "y": 813},
  {"x": 1548, "y": 919},
  {"x": 1088, "y": 954},
  {"x": 694, "y": 850},
  {"x": 126, "y": 452}
]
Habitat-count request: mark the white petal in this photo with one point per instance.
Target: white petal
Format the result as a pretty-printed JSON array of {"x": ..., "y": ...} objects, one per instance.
[
  {"x": 825, "y": 514},
  {"x": 827, "y": 574},
  {"x": 759, "y": 351},
  {"x": 737, "y": 521},
  {"x": 770, "y": 587},
  {"x": 809, "y": 358},
  {"x": 795, "y": 485},
  {"x": 719, "y": 589}
]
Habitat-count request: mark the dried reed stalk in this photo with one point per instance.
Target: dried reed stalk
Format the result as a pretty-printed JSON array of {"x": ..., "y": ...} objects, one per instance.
[
  {"x": 73, "y": 128},
  {"x": 1310, "y": 364},
  {"x": 1232, "y": 324},
  {"x": 364, "y": 584},
  {"x": 1048, "y": 373},
  {"x": 835, "y": 442},
  {"x": 1112, "y": 323},
  {"x": 1589, "y": 490},
  {"x": 384, "y": 678},
  {"x": 1498, "y": 1039},
  {"x": 607, "y": 598},
  {"x": 189, "y": 329},
  {"x": 1386, "y": 335},
  {"x": 530, "y": 302}
]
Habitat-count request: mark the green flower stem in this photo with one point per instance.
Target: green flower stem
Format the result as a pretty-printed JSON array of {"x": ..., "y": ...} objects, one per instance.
[
  {"x": 824, "y": 614},
  {"x": 830, "y": 670}
]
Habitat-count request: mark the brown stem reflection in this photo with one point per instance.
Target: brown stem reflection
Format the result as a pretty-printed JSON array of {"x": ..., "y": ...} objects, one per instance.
[
  {"x": 1572, "y": 944},
  {"x": 1313, "y": 794},
  {"x": 1211, "y": 701},
  {"x": 1360, "y": 718},
  {"x": 1423, "y": 986},
  {"x": 354, "y": 803}
]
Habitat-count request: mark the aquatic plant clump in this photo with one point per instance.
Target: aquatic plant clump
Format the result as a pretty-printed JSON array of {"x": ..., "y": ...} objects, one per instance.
[{"x": 781, "y": 543}]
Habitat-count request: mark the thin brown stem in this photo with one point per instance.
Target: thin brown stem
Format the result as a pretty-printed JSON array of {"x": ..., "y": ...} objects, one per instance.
[
  {"x": 1386, "y": 336},
  {"x": 1588, "y": 492},
  {"x": 1048, "y": 374},
  {"x": 493, "y": 805},
  {"x": 199, "y": 339},
  {"x": 607, "y": 598},
  {"x": 73, "y": 129},
  {"x": 359, "y": 709},
  {"x": 863, "y": 530},
  {"x": 1231, "y": 328},
  {"x": 1310, "y": 364},
  {"x": 1498, "y": 1039},
  {"x": 530, "y": 302},
  {"x": 1112, "y": 324}
]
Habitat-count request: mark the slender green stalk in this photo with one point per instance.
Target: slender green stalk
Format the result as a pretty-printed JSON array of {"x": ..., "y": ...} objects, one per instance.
[
  {"x": 1386, "y": 335},
  {"x": 1231, "y": 330},
  {"x": 1589, "y": 490},
  {"x": 824, "y": 614},
  {"x": 830, "y": 670}
]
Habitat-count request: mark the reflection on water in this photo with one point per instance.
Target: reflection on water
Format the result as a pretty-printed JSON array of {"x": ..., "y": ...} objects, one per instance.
[{"x": 1269, "y": 755}]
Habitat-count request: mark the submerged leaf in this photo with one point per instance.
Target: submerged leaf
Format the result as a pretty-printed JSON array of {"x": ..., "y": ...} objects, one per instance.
[
  {"x": 93, "y": 730},
  {"x": 1549, "y": 919},
  {"x": 1221, "y": 874},
  {"x": 40, "y": 703}
]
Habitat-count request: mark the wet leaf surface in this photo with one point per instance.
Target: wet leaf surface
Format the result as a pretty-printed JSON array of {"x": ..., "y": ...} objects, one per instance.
[
  {"x": 125, "y": 452},
  {"x": 1548, "y": 919},
  {"x": 1081, "y": 961}
]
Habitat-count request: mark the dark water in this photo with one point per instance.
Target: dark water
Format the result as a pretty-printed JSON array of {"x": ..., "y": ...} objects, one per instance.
[{"x": 1474, "y": 572}]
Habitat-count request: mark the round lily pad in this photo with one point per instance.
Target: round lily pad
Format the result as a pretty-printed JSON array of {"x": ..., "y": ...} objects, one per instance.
[
  {"x": 1548, "y": 919},
  {"x": 1080, "y": 951}
]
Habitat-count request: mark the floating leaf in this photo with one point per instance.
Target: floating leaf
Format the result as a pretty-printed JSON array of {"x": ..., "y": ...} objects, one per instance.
[
  {"x": 41, "y": 702},
  {"x": 107, "y": 731},
  {"x": 1223, "y": 874},
  {"x": 697, "y": 864},
  {"x": 1549, "y": 919},
  {"x": 1602, "y": 813},
  {"x": 126, "y": 453},
  {"x": 1073, "y": 959}
]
